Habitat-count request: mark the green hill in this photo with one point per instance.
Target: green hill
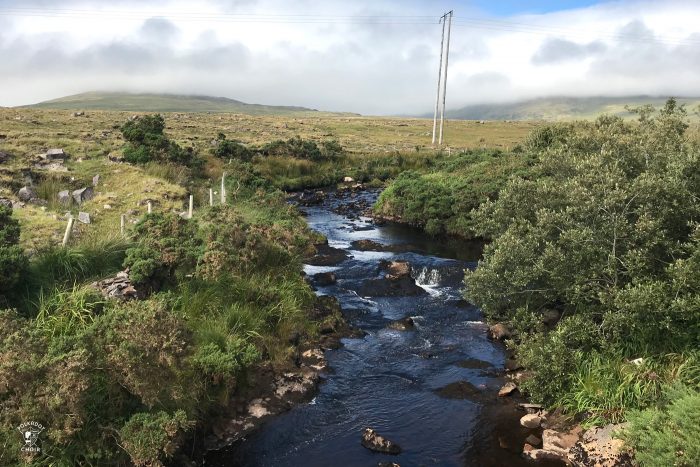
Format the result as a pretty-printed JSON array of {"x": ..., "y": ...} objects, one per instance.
[
  {"x": 564, "y": 108},
  {"x": 145, "y": 102}
]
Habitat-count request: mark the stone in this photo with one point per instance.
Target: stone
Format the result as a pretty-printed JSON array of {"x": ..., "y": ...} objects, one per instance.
[
  {"x": 3, "y": 157},
  {"x": 396, "y": 269},
  {"x": 26, "y": 194},
  {"x": 512, "y": 364},
  {"x": 550, "y": 317},
  {"x": 64, "y": 197},
  {"x": 598, "y": 447},
  {"x": 388, "y": 464},
  {"x": 107, "y": 206},
  {"x": 557, "y": 441},
  {"x": 507, "y": 390},
  {"x": 348, "y": 180},
  {"x": 404, "y": 324},
  {"x": 375, "y": 442},
  {"x": 500, "y": 331},
  {"x": 533, "y": 440},
  {"x": 118, "y": 287},
  {"x": 78, "y": 114},
  {"x": 324, "y": 278},
  {"x": 326, "y": 255},
  {"x": 531, "y": 421},
  {"x": 95, "y": 180},
  {"x": 84, "y": 217},
  {"x": 83, "y": 194},
  {"x": 6, "y": 202},
  {"x": 55, "y": 154}
]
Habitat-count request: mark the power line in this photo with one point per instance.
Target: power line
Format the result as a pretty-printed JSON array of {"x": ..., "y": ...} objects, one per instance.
[{"x": 415, "y": 20}]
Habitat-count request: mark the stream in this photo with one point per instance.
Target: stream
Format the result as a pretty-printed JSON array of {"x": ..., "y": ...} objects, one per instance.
[{"x": 407, "y": 385}]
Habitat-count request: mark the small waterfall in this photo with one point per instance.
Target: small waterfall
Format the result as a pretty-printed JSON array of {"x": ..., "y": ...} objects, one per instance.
[{"x": 428, "y": 277}]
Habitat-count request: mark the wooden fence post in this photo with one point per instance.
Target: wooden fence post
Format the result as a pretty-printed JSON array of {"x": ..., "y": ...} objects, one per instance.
[
  {"x": 122, "y": 222},
  {"x": 150, "y": 207},
  {"x": 211, "y": 197},
  {"x": 223, "y": 189},
  {"x": 69, "y": 229},
  {"x": 189, "y": 212}
]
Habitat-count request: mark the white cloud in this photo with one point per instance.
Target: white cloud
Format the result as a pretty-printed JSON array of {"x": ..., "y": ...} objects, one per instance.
[{"x": 621, "y": 48}]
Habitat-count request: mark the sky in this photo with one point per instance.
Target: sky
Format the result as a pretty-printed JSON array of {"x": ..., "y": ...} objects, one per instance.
[{"x": 375, "y": 57}]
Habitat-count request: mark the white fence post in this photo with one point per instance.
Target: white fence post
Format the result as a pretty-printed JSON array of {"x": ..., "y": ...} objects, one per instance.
[
  {"x": 150, "y": 207},
  {"x": 69, "y": 229},
  {"x": 223, "y": 189},
  {"x": 211, "y": 197},
  {"x": 122, "y": 222},
  {"x": 189, "y": 212}
]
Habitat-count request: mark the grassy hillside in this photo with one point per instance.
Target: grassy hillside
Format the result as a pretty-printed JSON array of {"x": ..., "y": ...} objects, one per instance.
[
  {"x": 164, "y": 103},
  {"x": 565, "y": 108}
]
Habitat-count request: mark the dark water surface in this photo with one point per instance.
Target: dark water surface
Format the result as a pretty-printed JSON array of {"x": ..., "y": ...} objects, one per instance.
[{"x": 390, "y": 380}]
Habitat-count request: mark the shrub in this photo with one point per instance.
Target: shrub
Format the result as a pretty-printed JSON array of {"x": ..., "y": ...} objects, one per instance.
[
  {"x": 227, "y": 149},
  {"x": 295, "y": 147},
  {"x": 668, "y": 434},
  {"x": 146, "y": 142},
  {"x": 13, "y": 262},
  {"x": 152, "y": 438}
]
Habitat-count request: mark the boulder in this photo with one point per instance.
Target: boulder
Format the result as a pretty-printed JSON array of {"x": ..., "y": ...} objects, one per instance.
[
  {"x": 64, "y": 197},
  {"x": 348, "y": 179},
  {"x": 550, "y": 317},
  {"x": 390, "y": 286},
  {"x": 84, "y": 217},
  {"x": 598, "y": 447},
  {"x": 533, "y": 440},
  {"x": 531, "y": 421},
  {"x": 326, "y": 255},
  {"x": 83, "y": 194},
  {"x": 375, "y": 442},
  {"x": 118, "y": 287},
  {"x": 324, "y": 278},
  {"x": 388, "y": 464},
  {"x": 507, "y": 390},
  {"x": 95, "y": 180},
  {"x": 53, "y": 154},
  {"x": 404, "y": 324},
  {"x": 6, "y": 202},
  {"x": 500, "y": 331},
  {"x": 26, "y": 193},
  {"x": 396, "y": 269}
]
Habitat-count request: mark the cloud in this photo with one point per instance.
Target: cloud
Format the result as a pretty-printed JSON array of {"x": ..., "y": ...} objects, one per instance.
[
  {"x": 361, "y": 65},
  {"x": 555, "y": 50}
]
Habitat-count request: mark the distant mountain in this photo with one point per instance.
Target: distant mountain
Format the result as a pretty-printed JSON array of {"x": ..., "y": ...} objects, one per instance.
[
  {"x": 145, "y": 102},
  {"x": 563, "y": 108}
]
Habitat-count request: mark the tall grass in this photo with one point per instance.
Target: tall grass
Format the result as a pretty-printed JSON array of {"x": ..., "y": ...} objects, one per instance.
[
  {"x": 48, "y": 188},
  {"x": 607, "y": 387},
  {"x": 174, "y": 173},
  {"x": 61, "y": 267},
  {"x": 65, "y": 311}
]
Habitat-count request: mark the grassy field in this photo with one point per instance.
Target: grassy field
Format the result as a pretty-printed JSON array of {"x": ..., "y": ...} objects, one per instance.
[{"x": 124, "y": 189}]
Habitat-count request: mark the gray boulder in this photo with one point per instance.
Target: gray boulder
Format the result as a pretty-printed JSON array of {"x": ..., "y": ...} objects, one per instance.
[
  {"x": 375, "y": 442},
  {"x": 26, "y": 194},
  {"x": 6, "y": 202},
  {"x": 84, "y": 217},
  {"x": 56, "y": 154},
  {"x": 83, "y": 194},
  {"x": 64, "y": 197}
]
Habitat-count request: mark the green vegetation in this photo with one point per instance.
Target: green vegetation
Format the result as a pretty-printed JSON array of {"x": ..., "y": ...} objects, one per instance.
[
  {"x": 606, "y": 239},
  {"x": 441, "y": 201},
  {"x": 147, "y": 143},
  {"x": 165, "y": 103},
  {"x": 12, "y": 259},
  {"x": 127, "y": 382}
]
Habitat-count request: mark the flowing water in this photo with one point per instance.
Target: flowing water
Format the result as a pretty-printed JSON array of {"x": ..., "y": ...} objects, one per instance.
[{"x": 390, "y": 380}]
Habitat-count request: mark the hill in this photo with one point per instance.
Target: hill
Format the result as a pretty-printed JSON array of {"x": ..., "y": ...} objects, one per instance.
[
  {"x": 563, "y": 108},
  {"x": 145, "y": 102}
]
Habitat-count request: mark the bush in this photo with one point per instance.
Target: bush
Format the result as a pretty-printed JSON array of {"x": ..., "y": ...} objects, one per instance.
[
  {"x": 299, "y": 148},
  {"x": 146, "y": 142},
  {"x": 151, "y": 438},
  {"x": 668, "y": 434},
  {"x": 13, "y": 262},
  {"x": 227, "y": 149}
]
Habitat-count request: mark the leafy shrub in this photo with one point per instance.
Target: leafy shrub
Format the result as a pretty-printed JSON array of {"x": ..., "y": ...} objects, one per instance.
[
  {"x": 13, "y": 262},
  {"x": 64, "y": 312},
  {"x": 227, "y": 149},
  {"x": 167, "y": 247},
  {"x": 151, "y": 438},
  {"x": 146, "y": 142},
  {"x": 668, "y": 434},
  {"x": 299, "y": 148}
]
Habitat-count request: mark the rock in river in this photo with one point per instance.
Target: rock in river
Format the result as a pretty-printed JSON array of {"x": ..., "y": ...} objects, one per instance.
[
  {"x": 396, "y": 282},
  {"x": 404, "y": 324},
  {"x": 324, "y": 278},
  {"x": 375, "y": 442}
]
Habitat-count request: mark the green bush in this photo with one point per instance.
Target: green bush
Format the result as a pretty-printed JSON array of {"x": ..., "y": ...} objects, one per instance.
[
  {"x": 151, "y": 438},
  {"x": 13, "y": 262},
  {"x": 299, "y": 148},
  {"x": 146, "y": 142},
  {"x": 668, "y": 434},
  {"x": 227, "y": 149}
]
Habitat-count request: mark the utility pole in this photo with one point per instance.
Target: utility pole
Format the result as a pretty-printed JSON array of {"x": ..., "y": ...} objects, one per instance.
[
  {"x": 439, "y": 83},
  {"x": 444, "y": 85}
]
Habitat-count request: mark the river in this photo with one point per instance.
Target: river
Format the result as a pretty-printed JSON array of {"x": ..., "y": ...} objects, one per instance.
[{"x": 407, "y": 385}]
